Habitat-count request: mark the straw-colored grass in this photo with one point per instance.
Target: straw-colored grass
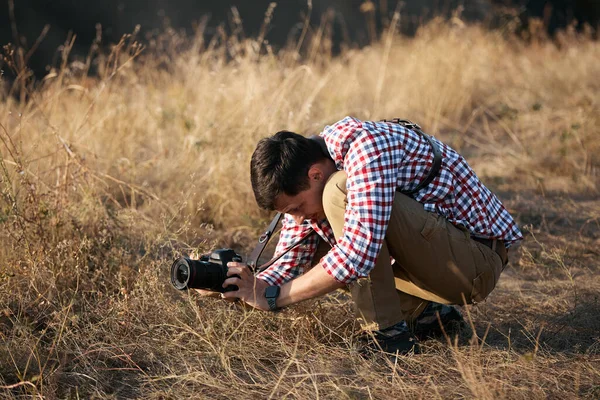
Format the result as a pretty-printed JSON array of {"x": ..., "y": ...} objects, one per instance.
[{"x": 106, "y": 179}]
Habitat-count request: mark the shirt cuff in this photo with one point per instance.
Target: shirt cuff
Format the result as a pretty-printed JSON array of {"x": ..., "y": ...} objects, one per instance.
[{"x": 336, "y": 265}]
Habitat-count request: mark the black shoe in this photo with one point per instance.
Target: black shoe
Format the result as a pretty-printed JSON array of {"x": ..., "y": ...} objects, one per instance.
[
  {"x": 427, "y": 323},
  {"x": 395, "y": 339}
]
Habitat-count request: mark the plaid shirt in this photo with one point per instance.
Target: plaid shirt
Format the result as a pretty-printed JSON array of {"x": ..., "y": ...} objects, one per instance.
[{"x": 378, "y": 158}]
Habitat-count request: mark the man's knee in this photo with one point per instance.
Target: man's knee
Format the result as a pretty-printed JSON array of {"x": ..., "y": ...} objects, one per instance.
[
  {"x": 334, "y": 201},
  {"x": 334, "y": 193}
]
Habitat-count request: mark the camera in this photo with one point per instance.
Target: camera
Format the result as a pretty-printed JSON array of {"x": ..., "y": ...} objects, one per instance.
[{"x": 209, "y": 272}]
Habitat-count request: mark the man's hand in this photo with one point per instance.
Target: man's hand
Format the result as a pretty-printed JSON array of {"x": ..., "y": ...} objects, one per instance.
[{"x": 250, "y": 290}]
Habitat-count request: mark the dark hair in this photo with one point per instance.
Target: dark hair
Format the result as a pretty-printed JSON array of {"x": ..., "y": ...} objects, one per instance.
[{"x": 280, "y": 164}]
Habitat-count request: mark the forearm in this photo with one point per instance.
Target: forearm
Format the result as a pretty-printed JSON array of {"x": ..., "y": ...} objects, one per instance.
[{"x": 314, "y": 283}]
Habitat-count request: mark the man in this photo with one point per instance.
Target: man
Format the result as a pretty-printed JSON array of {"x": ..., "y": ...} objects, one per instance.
[{"x": 404, "y": 257}]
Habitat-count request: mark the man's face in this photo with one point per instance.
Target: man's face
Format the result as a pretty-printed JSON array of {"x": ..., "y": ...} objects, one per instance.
[{"x": 308, "y": 204}]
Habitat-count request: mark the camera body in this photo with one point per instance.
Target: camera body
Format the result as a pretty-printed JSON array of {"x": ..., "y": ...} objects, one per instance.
[{"x": 209, "y": 272}]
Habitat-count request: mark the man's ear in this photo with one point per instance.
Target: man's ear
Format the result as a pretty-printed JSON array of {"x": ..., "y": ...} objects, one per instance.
[{"x": 315, "y": 173}]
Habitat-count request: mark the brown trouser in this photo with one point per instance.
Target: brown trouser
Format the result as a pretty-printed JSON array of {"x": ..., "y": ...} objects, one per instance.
[{"x": 434, "y": 261}]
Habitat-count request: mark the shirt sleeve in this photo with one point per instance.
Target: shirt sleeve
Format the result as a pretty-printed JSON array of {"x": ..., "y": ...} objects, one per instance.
[
  {"x": 371, "y": 185},
  {"x": 297, "y": 260}
]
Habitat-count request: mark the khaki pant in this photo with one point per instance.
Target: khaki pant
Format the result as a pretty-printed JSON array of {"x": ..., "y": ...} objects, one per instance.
[{"x": 435, "y": 261}]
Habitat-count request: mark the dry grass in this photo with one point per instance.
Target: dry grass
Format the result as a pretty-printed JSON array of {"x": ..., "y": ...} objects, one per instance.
[{"x": 105, "y": 180}]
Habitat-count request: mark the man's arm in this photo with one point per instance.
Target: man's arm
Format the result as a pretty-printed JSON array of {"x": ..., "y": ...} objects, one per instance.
[
  {"x": 371, "y": 165},
  {"x": 294, "y": 263},
  {"x": 314, "y": 283},
  {"x": 284, "y": 273}
]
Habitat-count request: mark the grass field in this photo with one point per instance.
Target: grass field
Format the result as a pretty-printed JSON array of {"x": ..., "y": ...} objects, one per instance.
[{"x": 104, "y": 180}]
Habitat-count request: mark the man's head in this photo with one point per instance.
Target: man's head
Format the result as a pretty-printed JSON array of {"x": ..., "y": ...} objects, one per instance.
[{"x": 288, "y": 173}]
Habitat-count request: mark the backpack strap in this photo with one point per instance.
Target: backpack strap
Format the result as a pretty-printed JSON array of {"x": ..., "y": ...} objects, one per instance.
[{"x": 437, "y": 155}]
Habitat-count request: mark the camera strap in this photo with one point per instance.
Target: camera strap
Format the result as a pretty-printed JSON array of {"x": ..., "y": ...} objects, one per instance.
[{"x": 263, "y": 240}]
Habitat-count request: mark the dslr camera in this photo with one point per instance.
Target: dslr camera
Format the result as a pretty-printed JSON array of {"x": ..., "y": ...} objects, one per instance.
[{"x": 209, "y": 272}]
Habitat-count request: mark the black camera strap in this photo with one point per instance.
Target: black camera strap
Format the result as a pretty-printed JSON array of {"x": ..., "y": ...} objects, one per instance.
[{"x": 263, "y": 240}]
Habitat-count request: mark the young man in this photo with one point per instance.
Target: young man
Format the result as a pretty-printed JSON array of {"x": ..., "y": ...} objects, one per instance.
[{"x": 404, "y": 257}]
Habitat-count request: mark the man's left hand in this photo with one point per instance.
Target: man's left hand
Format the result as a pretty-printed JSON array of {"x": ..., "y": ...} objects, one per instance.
[{"x": 250, "y": 290}]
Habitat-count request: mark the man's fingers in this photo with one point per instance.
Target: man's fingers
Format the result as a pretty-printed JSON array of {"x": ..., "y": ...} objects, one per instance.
[
  {"x": 237, "y": 269},
  {"x": 234, "y": 271},
  {"x": 231, "y": 281},
  {"x": 231, "y": 296}
]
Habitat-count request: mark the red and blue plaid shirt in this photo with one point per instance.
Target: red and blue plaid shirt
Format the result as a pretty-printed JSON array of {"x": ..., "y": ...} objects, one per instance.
[{"x": 379, "y": 158}]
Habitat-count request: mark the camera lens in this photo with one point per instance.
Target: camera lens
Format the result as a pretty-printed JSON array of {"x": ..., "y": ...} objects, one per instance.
[
  {"x": 183, "y": 273},
  {"x": 180, "y": 274}
]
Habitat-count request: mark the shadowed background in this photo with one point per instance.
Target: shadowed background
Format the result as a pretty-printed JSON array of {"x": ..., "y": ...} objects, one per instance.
[{"x": 41, "y": 27}]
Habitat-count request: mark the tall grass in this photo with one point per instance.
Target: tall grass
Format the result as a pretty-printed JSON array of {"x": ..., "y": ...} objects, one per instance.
[{"x": 105, "y": 178}]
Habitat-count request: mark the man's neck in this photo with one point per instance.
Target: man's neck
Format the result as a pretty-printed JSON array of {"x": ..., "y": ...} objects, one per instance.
[{"x": 329, "y": 169}]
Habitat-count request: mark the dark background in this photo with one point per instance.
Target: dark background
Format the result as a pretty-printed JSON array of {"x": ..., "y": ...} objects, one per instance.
[{"x": 23, "y": 25}]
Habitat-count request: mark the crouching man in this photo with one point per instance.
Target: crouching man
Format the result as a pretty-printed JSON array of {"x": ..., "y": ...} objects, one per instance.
[{"x": 394, "y": 214}]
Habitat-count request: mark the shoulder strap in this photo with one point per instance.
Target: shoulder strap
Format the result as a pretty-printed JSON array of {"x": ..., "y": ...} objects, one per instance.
[
  {"x": 283, "y": 253},
  {"x": 437, "y": 155},
  {"x": 263, "y": 240}
]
